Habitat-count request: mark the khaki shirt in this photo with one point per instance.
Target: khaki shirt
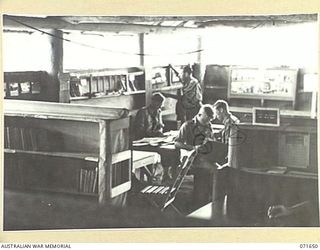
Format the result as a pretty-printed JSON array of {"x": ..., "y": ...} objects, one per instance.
[
  {"x": 191, "y": 94},
  {"x": 228, "y": 130},
  {"x": 148, "y": 123},
  {"x": 228, "y": 135},
  {"x": 194, "y": 133}
]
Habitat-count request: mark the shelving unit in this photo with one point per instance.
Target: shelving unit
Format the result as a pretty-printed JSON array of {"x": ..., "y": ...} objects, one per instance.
[
  {"x": 99, "y": 87},
  {"x": 26, "y": 85},
  {"x": 278, "y": 83},
  {"x": 108, "y": 87},
  {"x": 76, "y": 139}
]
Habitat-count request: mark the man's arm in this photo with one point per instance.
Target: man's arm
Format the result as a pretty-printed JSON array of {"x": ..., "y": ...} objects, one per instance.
[
  {"x": 281, "y": 210},
  {"x": 180, "y": 142},
  {"x": 181, "y": 145},
  {"x": 157, "y": 130}
]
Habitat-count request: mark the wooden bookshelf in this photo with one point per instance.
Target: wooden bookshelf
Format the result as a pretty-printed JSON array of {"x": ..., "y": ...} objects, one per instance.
[
  {"x": 26, "y": 85},
  {"x": 74, "y": 139},
  {"x": 146, "y": 80},
  {"x": 106, "y": 87}
]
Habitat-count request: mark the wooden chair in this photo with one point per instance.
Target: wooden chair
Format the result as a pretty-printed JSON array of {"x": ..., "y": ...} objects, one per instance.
[{"x": 163, "y": 196}]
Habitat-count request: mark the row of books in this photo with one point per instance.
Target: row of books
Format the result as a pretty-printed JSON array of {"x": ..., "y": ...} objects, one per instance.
[
  {"x": 23, "y": 138},
  {"x": 88, "y": 182},
  {"x": 103, "y": 85}
]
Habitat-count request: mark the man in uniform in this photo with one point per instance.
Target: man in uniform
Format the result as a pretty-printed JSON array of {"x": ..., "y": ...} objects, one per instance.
[
  {"x": 191, "y": 94},
  {"x": 194, "y": 134},
  {"x": 226, "y": 175},
  {"x": 148, "y": 121}
]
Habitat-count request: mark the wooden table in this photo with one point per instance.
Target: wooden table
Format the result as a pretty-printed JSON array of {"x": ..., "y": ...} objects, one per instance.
[
  {"x": 141, "y": 161},
  {"x": 143, "y": 158}
]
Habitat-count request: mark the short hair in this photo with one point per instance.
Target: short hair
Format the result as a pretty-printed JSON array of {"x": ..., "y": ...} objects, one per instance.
[
  {"x": 208, "y": 110},
  {"x": 221, "y": 104},
  {"x": 187, "y": 69},
  {"x": 158, "y": 97}
]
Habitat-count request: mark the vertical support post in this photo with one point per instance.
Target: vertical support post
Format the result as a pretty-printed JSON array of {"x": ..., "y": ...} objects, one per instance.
[
  {"x": 90, "y": 85},
  {"x": 56, "y": 67},
  {"x": 105, "y": 163},
  {"x": 200, "y": 61},
  {"x": 141, "y": 48},
  {"x": 148, "y": 85}
]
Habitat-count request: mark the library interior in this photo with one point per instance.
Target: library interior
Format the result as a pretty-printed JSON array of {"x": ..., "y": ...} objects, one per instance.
[{"x": 160, "y": 121}]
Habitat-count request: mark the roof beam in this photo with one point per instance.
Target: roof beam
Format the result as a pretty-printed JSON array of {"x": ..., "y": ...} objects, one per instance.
[
  {"x": 58, "y": 23},
  {"x": 132, "y": 19}
]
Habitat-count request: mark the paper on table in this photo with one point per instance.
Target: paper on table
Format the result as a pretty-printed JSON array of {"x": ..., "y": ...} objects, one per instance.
[{"x": 155, "y": 141}]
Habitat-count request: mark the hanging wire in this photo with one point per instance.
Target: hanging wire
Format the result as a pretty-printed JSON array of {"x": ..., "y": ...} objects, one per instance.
[{"x": 98, "y": 48}]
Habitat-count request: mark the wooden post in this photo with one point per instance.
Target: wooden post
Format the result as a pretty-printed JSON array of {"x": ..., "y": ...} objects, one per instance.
[
  {"x": 148, "y": 85},
  {"x": 200, "y": 61},
  {"x": 141, "y": 48},
  {"x": 56, "y": 66},
  {"x": 105, "y": 163}
]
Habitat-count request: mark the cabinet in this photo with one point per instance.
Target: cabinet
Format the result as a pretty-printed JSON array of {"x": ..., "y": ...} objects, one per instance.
[
  {"x": 265, "y": 84},
  {"x": 293, "y": 147},
  {"x": 75, "y": 149},
  {"x": 276, "y": 165}
]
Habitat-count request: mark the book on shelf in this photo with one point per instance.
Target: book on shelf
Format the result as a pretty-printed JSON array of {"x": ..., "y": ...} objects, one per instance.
[
  {"x": 88, "y": 179},
  {"x": 95, "y": 181},
  {"x": 30, "y": 139},
  {"x": 6, "y": 137}
]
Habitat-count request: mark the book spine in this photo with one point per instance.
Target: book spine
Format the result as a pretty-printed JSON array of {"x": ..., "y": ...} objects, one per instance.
[
  {"x": 85, "y": 181},
  {"x": 11, "y": 137},
  {"x": 23, "y": 139},
  {"x": 33, "y": 138},
  {"x": 6, "y": 137},
  {"x": 17, "y": 138},
  {"x": 95, "y": 181},
  {"x": 80, "y": 180},
  {"x": 89, "y": 180}
]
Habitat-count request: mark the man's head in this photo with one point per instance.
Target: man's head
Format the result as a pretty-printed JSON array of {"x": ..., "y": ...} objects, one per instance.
[
  {"x": 187, "y": 72},
  {"x": 205, "y": 114},
  {"x": 157, "y": 101},
  {"x": 221, "y": 109}
]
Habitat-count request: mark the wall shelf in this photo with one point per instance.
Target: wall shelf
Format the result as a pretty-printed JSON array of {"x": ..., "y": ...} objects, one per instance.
[
  {"x": 81, "y": 156},
  {"x": 174, "y": 87},
  {"x": 286, "y": 113}
]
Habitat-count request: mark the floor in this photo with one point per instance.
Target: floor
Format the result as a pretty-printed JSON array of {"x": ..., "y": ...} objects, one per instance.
[{"x": 37, "y": 211}]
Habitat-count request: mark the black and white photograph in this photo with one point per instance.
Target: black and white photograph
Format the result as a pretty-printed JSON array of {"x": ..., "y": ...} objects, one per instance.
[{"x": 147, "y": 121}]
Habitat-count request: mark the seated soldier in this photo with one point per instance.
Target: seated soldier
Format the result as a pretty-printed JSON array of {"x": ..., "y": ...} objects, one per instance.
[
  {"x": 194, "y": 134},
  {"x": 148, "y": 121}
]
